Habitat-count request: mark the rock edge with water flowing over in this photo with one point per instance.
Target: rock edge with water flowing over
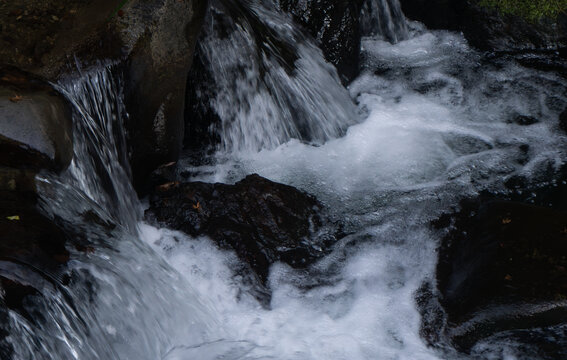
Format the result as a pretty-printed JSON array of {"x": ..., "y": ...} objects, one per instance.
[{"x": 151, "y": 40}]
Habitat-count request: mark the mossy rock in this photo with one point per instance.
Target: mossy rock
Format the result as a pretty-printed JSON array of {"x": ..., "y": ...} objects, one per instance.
[{"x": 530, "y": 10}]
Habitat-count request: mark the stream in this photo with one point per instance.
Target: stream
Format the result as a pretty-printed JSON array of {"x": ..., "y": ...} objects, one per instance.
[{"x": 428, "y": 122}]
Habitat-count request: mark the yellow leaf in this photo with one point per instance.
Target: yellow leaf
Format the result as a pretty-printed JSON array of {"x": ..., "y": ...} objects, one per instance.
[{"x": 13, "y": 218}]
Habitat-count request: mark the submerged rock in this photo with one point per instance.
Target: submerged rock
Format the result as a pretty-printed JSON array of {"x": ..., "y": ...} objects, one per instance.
[
  {"x": 262, "y": 221},
  {"x": 32, "y": 257},
  {"x": 502, "y": 267}
]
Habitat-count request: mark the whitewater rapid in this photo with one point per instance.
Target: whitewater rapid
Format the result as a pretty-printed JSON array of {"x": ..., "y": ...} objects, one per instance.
[
  {"x": 428, "y": 122},
  {"x": 435, "y": 125}
]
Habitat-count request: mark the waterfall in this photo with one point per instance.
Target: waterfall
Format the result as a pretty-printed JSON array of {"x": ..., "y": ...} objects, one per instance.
[
  {"x": 100, "y": 169},
  {"x": 422, "y": 136},
  {"x": 114, "y": 299},
  {"x": 270, "y": 83},
  {"x": 384, "y": 18}
]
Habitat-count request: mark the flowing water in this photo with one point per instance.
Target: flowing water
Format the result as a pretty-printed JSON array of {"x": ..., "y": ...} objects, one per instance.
[{"x": 428, "y": 122}]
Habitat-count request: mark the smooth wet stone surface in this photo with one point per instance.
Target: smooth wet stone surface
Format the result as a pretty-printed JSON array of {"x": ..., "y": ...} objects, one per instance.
[{"x": 35, "y": 123}]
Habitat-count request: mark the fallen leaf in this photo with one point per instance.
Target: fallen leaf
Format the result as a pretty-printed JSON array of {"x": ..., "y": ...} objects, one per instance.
[
  {"x": 13, "y": 218},
  {"x": 197, "y": 206},
  {"x": 508, "y": 277},
  {"x": 168, "y": 186},
  {"x": 506, "y": 221},
  {"x": 16, "y": 98}
]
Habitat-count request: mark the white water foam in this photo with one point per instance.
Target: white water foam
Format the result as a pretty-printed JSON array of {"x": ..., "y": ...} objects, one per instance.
[{"x": 439, "y": 126}]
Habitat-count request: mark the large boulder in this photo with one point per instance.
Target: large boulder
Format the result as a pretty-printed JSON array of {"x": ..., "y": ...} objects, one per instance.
[
  {"x": 35, "y": 123},
  {"x": 261, "y": 220},
  {"x": 487, "y": 27},
  {"x": 502, "y": 267},
  {"x": 152, "y": 39}
]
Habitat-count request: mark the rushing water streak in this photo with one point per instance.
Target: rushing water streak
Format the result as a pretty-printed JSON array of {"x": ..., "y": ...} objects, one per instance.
[
  {"x": 115, "y": 299},
  {"x": 270, "y": 81},
  {"x": 100, "y": 167},
  {"x": 384, "y": 18}
]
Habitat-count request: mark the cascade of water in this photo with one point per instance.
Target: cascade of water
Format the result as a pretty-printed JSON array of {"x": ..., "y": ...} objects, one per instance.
[
  {"x": 114, "y": 299},
  {"x": 384, "y": 18},
  {"x": 99, "y": 170},
  {"x": 428, "y": 140},
  {"x": 272, "y": 85}
]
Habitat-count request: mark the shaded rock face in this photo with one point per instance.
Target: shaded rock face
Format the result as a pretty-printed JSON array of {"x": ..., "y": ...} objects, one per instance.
[
  {"x": 486, "y": 28},
  {"x": 336, "y": 26},
  {"x": 152, "y": 39},
  {"x": 200, "y": 117},
  {"x": 502, "y": 267},
  {"x": 41, "y": 36},
  {"x": 155, "y": 80},
  {"x": 262, "y": 221},
  {"x": 35, "y": 123}
]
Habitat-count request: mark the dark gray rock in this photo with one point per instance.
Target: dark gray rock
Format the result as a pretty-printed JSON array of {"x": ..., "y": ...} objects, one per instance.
[
  {"x": 261, "y": 220},
  {"x": 155, "y": 79},
  {"x": 336, "y": 26},
  {"x": 435, "y": 14},
  {"x": 35, "y": 123},
  {"x": 502, "y": 267}
]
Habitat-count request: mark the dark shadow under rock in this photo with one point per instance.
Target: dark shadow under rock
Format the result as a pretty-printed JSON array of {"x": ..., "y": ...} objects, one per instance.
[{"x": 263, "y": 221}]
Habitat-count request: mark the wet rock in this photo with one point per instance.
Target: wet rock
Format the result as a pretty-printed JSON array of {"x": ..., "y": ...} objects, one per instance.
[
  {"x": 262, "y": 221},
  {"x": 156, "y": 76},
  {"x": 435, "y": 14},
  {"x": 200, "y": 117},
  {"x": 502, "y": 266},
  {"x": 35, "y": 123},
  {"x": 487, "y": 28},
  {"x": 153, "y": 40},
  {"x": 336, "y": 26}
]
